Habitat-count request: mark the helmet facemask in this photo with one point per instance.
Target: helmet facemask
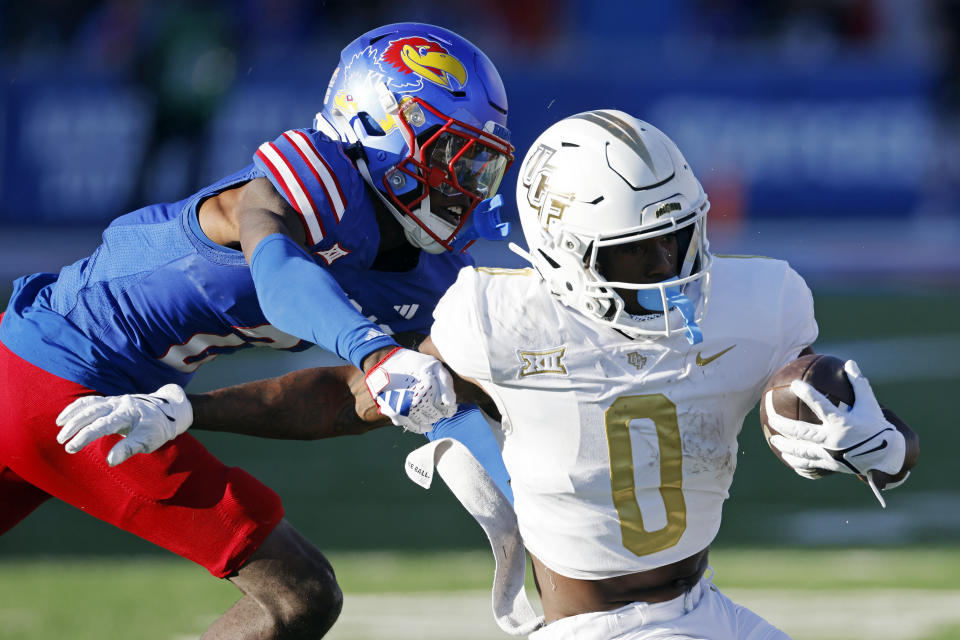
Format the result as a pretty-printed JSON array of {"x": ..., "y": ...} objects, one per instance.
[
  {"x": 684, "y": 295},
  {"x": 460, "y": 162},
  {"x": 604, "y": 179}
]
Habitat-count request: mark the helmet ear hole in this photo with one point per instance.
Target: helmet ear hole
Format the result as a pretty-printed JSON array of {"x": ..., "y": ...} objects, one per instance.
[
  {"x": 571, "y": 244},
  {"x": 371, "y": 126}
]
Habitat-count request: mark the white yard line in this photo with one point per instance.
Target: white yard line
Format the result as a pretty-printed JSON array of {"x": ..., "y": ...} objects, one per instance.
[
  {"x": 417, "y": 616},
  {"x": 806, "y": 615},
  {"x": 895, "y": 614}
]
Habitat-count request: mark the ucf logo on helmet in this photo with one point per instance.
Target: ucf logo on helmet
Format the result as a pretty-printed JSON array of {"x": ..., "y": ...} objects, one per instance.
[
  {"x": 535, "y": 177},
  {"x": 427, "y": 59}
]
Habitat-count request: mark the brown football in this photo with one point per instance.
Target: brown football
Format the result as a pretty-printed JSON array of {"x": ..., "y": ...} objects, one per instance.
[{"x": 824, "y": 373}]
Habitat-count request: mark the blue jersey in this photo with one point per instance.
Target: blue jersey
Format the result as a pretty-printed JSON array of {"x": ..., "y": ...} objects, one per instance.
[{"x": 157, "y": 299}]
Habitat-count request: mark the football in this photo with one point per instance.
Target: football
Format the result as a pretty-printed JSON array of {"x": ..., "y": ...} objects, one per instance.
[{"x": 824, "y": 373}]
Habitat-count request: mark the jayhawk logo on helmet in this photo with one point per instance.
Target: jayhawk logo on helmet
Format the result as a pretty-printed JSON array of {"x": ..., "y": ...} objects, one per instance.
[{"x": 427, "y": 59}]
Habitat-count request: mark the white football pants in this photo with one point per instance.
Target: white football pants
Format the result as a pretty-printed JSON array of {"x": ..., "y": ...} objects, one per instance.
[{"x": 703, "y": 613}]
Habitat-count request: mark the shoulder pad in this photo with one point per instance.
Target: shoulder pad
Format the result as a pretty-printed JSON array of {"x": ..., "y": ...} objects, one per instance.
[{"x": 303, "y": 165}]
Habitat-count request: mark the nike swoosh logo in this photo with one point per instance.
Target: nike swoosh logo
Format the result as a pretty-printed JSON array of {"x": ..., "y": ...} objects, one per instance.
[
  {"x": 882, "y": 445},
  {"x": 702, "y": 362}
]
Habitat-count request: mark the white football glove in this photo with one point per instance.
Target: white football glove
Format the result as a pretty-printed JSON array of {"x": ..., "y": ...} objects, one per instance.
[
  {"x": 148, "y": 421},
  {"x": 855, "y": 440},
  {"x": 413, "y": 389}
]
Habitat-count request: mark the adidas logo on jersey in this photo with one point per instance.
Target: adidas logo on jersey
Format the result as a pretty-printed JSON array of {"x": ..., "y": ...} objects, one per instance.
[
  {"x": 549, "y": 361},
  {"x": 373, "y": 333},
  {"x": 406, "y": 310}
]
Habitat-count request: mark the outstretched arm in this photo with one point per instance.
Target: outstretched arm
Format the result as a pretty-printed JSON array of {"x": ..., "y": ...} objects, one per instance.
[
  {"x": 303, "y": 405},
  {"x": 308, "y": 404}
]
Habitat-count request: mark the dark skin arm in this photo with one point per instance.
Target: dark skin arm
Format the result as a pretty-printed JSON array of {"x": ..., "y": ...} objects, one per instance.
[
  {"x": 261, "y": 212},
  {"x": 309, "y": 404}
]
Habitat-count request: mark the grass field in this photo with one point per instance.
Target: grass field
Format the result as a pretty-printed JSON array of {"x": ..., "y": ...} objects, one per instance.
[
  {"x": 65, "y": 575},
  {"x": 903, "y": 594}
]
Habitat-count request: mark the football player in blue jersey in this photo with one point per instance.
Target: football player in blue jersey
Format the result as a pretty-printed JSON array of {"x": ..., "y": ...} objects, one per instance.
[{"x": 340, "y": 235}]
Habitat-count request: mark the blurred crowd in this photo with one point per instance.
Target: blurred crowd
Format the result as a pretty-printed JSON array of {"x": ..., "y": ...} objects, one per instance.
[
  {"x": 124, "y": 36},
  {"x": 186, "y": 55}
]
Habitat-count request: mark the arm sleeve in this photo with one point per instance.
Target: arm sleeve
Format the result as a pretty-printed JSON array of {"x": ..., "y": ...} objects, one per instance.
[
  {"x": 470, "y": 428},
  {"x": 300, "y": 297}
]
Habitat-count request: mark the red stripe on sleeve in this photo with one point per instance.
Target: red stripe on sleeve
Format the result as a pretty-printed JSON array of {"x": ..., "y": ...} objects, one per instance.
[
  {"x": 313, "y": 205},
  {"x": 276, "y": 174},
  {"x": 333, "y": 176}
]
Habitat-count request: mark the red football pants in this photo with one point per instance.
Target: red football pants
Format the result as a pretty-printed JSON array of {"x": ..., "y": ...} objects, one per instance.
[{"x": 180, "y": 497}]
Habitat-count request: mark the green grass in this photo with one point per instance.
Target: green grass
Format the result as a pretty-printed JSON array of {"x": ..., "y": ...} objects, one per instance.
[
  {"x": 847, "y": 569},
  {"x": 148, "y": 599},
  {"x": 95, "y": 598}
]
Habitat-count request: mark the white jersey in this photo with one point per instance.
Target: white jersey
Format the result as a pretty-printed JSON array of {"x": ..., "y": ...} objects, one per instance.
[{"x": 621, "y": 451}]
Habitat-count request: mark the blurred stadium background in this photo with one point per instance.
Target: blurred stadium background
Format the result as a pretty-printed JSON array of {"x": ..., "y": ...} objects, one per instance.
[{"x": 826, "y": 132}]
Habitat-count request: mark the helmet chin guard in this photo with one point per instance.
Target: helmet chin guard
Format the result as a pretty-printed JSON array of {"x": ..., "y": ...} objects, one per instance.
[
  {"x": 414, "y": 231},
  {"x": 600, "y": 179},
  {"x": 426, "y": 111}
]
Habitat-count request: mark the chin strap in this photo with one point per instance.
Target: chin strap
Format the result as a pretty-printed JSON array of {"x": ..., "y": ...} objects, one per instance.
[
  {"x": 684, "y": 305},
  {"x": 414, "y": 234},
  {"x": 652, "y": 300}
]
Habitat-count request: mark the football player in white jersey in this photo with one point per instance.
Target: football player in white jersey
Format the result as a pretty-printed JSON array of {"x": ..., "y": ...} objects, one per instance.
[
  {"x": 623, "y": 364},
  {"x": 620, "y": 419}
]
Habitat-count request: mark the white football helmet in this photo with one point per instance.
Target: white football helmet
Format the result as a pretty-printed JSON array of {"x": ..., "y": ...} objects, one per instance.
[{"x": 603, "y": 178}]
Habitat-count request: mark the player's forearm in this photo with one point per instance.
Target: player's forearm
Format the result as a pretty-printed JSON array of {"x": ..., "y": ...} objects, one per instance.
[
  {"x": 303, "y": 299},
  {"x": 303, "y": 405}
]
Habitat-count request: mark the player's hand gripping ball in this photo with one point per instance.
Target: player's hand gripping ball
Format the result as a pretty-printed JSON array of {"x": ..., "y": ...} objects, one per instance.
[
  {"x": 819, "y": 415},
  {"x": 824, "y": 373}
]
